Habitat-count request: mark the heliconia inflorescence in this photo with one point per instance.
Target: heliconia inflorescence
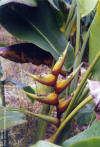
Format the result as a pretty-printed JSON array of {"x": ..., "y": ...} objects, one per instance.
[{"x": 59, "y": 85}]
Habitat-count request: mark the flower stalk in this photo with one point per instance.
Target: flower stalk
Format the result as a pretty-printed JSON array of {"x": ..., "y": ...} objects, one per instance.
[
  {"x": 76, "y": 93},
  {"x": 69, "y": 117}
]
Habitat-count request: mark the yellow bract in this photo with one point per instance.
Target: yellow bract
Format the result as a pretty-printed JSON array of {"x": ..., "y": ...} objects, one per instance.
[
  {"x": 63, "y": 105},
  {"x": 58, "y": 66},
  {"x": 51, "y": 80},
  {"x": 51, "y": 98},
  {"x": 48, "y": 79}
]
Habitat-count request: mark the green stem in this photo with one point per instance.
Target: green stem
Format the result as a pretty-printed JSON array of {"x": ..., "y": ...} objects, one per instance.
[
  {"x": 76, "y": 93},
  {"x": 84, "y": 44},
  {"x": 78, "y": 31},
  {"x": 41, "y": 116},
  {"x": 71, "y": 12},
  {"x": 40, "y": 133},
  {"x": 92, "y": 118},
  {"x": 73, "y": 84},
  {"x": 85, "y": 93},
  {"x": 77, "y": 54},
  {"x": 63, "y": 124},
  {"x": 70, "y": 26},
  {"x": 78, "y": 60},
  {"x": 82, "y": 94}
]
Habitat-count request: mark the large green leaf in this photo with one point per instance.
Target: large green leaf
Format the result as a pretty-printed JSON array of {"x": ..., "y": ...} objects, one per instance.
[
  {"x": 61, "y": 5},
  {"x": 94, "y": 44},
  {"x": 36, "y": 25},
  {"x": 93, "y": 131},
  {"x": 92, "y": 142},
  {"x": 25, "y": 2},
  {"x": 44, "y": 144},
  {"x": 81, "y": 117},
  {"x": 9, "y": 119},
  {"x": 86, "y": 6}
]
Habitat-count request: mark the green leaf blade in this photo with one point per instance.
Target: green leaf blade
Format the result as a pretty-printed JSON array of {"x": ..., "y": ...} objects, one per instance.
[
  {"x": 93, "y": 131},
  {"x": 92, "y": 142},
  {"x": 39, "y": 28},
  {"x": 81, "y": 117},
  {"x": 9, "y": 119},
  {"x": 44, "y": 144},
  {"x": 94, "y": 45}
]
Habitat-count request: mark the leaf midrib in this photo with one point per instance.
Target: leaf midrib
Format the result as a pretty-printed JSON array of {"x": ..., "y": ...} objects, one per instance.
[{"x": 44, "y": 36}]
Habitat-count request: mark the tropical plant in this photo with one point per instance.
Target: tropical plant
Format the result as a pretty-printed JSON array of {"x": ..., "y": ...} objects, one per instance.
[{"x": 49, "y": 28}]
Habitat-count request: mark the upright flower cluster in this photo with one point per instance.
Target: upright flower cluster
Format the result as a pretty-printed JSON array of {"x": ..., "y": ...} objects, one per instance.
[{"x": 59, "y": 85}]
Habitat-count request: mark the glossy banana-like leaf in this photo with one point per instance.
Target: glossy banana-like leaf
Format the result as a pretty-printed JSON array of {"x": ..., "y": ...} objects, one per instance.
[{"x": 40, "y": 28}]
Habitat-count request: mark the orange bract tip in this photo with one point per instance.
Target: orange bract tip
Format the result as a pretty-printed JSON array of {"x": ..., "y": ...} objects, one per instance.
[
  {"x": 51, "y": 99},
  {"x": 58, "y": 66},
  {"x": 61, "y": 85},
  {"x": 62, "y": 106}
]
